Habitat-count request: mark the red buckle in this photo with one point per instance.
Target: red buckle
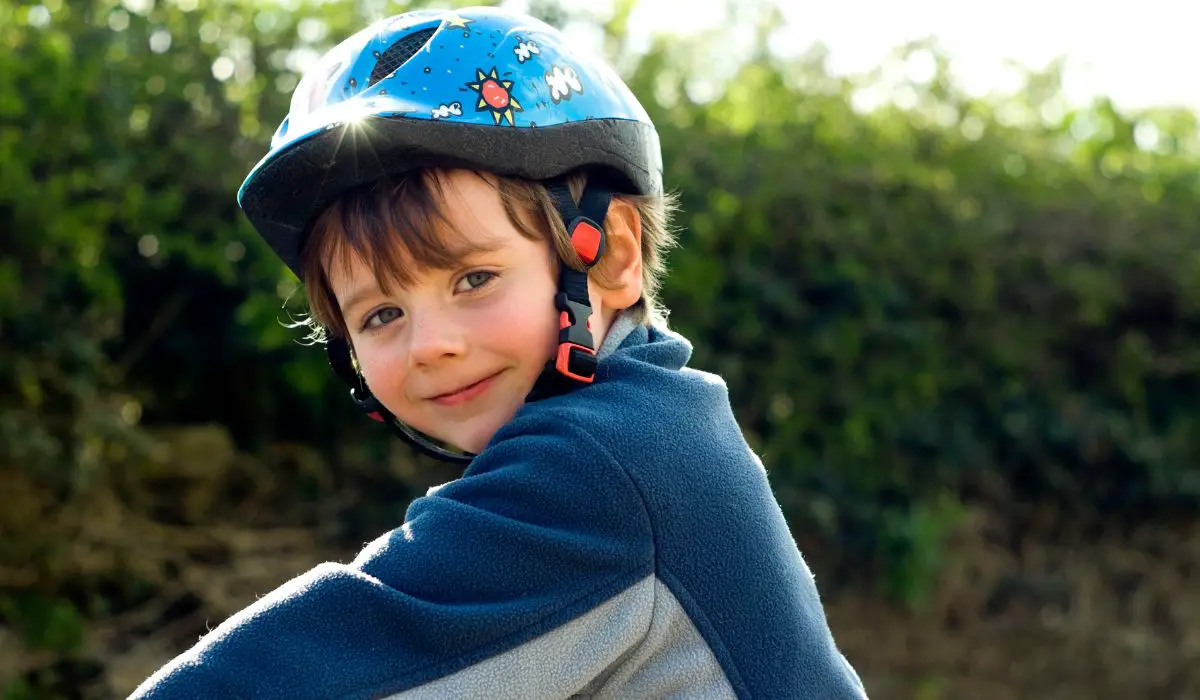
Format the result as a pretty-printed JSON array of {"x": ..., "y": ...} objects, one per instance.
[
  {"x": 587, "y": 240},
  {"x": 563, "y": 362}
]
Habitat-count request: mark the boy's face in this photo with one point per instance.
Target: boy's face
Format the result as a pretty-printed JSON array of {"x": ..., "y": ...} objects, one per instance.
[{"x": 455, "y": 353}]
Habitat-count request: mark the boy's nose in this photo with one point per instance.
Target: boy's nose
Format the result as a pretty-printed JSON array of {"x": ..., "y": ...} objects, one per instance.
[{"x": 434, "y": 339}]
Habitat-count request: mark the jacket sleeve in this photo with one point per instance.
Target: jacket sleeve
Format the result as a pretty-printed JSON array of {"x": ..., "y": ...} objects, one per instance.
[{"x": 529, "y": 570}]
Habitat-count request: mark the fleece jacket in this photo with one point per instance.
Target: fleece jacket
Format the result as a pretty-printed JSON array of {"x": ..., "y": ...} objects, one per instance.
[{"x": 620, "y": 541}]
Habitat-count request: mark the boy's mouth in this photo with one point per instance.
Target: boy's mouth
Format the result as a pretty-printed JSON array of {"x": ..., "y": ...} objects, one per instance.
[{"x": 465, "y": 393}]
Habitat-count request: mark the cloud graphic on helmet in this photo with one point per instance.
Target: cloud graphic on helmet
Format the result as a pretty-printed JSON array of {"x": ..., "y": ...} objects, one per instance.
[
  {"x": 526, "y": 50},
  {"x": 563, "y": 81},
  {"x": 454, "y": 109}
]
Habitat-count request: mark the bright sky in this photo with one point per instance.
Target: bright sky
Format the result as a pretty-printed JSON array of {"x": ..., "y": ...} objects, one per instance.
[{"x": 1141, "y": 53}]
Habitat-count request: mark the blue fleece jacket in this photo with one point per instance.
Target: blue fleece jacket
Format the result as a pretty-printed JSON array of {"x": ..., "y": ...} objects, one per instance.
[{"x": 619, "y": 541}]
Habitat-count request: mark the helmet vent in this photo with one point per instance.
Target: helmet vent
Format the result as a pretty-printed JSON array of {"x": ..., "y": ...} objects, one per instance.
[{"x": 399, "y": 53}]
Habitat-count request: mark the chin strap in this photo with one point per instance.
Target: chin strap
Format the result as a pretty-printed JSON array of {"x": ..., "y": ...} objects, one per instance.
[
  {"x": 338, "y": 352},
  {"x": 574, "y": 362}
]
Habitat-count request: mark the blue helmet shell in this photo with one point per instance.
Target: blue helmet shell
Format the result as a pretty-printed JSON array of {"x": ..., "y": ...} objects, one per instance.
[{"x": 480, "y": 87}]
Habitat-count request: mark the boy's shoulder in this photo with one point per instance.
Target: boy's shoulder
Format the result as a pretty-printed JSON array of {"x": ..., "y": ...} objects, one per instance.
[{"x": 662, "y": 437}]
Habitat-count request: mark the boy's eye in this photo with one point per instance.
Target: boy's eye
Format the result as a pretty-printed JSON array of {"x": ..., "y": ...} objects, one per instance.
[
  {"x": 474, "y": 280},
  {"x": 382, "y": 317}
]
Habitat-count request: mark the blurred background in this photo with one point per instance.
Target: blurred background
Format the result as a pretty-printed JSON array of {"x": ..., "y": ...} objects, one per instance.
[{"x": 956, "y": 300}]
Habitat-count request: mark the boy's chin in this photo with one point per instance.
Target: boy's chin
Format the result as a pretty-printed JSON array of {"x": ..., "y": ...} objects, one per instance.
[
  {"x": 473, "y": 434},
  {"x": 474, "y": 438}
]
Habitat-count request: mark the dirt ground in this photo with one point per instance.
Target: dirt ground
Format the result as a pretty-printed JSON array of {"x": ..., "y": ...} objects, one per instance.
[
  {"x": 1052, "y": 620},
  {"x": 1049, "y": 618},
  {"x": 1030, "y": 604}
]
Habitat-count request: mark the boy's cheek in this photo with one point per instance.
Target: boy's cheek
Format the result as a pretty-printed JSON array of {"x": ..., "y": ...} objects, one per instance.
[
  {"x": 384, "y": 375},
  {"x": 525, "y": 328}
]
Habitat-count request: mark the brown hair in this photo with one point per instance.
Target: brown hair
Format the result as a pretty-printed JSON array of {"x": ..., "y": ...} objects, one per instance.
[{"x": 397, "y": 223}]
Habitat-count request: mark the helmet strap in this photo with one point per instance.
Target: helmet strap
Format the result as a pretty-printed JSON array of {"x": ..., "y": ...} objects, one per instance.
[{"x": 574, "y": 362}]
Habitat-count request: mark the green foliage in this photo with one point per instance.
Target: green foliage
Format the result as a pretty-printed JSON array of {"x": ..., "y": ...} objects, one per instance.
[
  {"x": 914, "y": 307},
  {"x": 951, "y": 298},
  {"x": 44, "y": 623}
]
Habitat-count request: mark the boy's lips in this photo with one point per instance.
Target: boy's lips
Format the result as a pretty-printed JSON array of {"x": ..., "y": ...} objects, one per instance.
[{"x": 465, "y": 393}]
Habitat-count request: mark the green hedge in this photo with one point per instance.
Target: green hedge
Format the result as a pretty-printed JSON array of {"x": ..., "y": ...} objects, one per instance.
[{"x": 930, "y": 305}]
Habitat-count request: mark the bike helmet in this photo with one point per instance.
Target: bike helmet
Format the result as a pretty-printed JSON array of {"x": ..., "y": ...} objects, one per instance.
[{"x": 480, "y": 88}]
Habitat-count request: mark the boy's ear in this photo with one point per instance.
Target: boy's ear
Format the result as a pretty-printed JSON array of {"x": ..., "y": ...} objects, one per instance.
[{"x": 619, "y": 273}]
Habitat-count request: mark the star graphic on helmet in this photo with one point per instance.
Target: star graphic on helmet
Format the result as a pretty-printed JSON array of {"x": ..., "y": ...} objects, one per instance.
[
  {"x": 458, "y": 22},
  {"x": 495, "y": 96}
]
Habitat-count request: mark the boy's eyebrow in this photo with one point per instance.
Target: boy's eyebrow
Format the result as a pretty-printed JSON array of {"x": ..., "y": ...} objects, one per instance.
[
  {"x": 456, "y": 255},
  {"x": 355, "y": 297},
  {"x": 466, "y": 249}
]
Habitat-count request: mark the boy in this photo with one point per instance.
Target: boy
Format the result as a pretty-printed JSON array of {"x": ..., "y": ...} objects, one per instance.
[{"x": 487, "y": 288}]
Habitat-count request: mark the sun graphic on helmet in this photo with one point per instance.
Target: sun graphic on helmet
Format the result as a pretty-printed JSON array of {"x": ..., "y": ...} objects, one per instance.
[{"x": 494, "y": 96}]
